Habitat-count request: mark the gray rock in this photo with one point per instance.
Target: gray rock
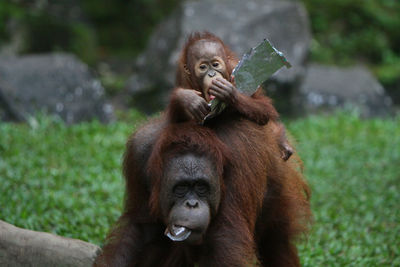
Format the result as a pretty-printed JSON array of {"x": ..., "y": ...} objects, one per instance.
[
  {"x": 240, "y": 24},
  {"x": 55, "y": 83},
  {"x": 20, "y": 247},
  {"x": 327, "y": 88}
]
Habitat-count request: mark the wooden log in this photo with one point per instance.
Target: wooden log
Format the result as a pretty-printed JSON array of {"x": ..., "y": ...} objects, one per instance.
[{"x": 21, "y": 247}]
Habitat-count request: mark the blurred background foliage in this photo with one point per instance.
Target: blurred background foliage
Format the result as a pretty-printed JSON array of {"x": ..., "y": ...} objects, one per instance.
[
  {"x": 345, "y": 31},
  {"x": 91, "y": 29},
  {"x": 351, "y": 31}
]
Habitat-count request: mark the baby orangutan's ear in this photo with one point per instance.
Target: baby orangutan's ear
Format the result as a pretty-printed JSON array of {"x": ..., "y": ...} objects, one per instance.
[
  {"x": 231, "y": 61},
  {"x": 186, "y": 69}
]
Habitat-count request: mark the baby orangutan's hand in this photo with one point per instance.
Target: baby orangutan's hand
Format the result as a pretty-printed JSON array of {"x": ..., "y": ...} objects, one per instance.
[
  {"x": 193, "y": 103},
  {"x": 224, "y": 90}
]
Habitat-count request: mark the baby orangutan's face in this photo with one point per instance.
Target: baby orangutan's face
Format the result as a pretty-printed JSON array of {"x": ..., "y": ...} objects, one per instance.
[{"x": 208, "y": 64}]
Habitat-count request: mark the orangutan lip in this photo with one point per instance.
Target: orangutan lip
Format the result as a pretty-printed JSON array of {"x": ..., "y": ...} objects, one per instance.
[
  {"x": 193, "y": 230},
  {"x": 178, "y": 232},
  {"x": 210, "y": 96}
]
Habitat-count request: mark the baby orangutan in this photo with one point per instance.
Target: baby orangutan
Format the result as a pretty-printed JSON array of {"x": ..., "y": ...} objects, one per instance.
[{"x": 204, "y": 73}]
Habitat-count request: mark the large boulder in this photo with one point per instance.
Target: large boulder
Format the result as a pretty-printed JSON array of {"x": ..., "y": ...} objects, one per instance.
[
  {"x": 326, "y": 88},
  {"x": 55, "y": 83},
  {"x": 240, "y": 24},
  {"x": 20, "y": 247}
]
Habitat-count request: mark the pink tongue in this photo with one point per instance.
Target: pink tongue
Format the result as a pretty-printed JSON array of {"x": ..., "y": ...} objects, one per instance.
[{"x": 212, "y": 97}]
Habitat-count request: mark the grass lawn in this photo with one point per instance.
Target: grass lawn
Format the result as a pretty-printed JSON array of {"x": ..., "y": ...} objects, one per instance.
[{"x": 67, "y": 180}]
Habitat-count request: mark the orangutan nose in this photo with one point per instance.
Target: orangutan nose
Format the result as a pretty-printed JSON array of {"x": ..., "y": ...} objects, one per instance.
[
  {"x": 192, "y": 203},
  {"x": 212, "y": 73}
]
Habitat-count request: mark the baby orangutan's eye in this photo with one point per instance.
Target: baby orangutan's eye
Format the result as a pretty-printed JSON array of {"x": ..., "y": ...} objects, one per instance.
[{"x": 203, "y": 67}]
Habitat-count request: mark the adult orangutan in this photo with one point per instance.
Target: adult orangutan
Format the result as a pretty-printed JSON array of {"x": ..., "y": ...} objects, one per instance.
[
  {"x": 240, "y": 205},
  {"x": 212, "y": 195}
]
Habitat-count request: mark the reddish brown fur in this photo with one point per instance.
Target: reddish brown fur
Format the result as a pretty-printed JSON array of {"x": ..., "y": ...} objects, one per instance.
[{"x": 284, "y": 207}]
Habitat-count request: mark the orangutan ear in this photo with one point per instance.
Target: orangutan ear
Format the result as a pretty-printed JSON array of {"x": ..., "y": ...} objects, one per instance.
[{"x": 186, "y": 69}]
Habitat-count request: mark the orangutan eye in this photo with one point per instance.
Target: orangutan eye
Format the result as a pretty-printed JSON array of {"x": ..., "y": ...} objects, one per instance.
[
  {"x": 203, "y": 67},
  {"x": 201, "y": 189},
  {"x": 215, "y": 64},
  {"x": 180, "y": 190}
]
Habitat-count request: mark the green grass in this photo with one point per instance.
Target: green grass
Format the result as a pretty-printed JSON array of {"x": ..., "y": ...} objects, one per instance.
[
  {"x": 67, "y": 180},
  {"x": 60, "y": 179},
  {"x": 353, "y": 167}
]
